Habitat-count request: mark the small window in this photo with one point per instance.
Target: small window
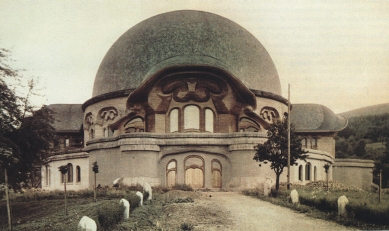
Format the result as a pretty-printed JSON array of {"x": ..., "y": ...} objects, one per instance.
[
  {"x": 308, "y": 171},
  {"x": 174, "y": 120},
  {"x": 70, "y": 173},
  {"x": 209, "y": 120},
  {"x": 300, "y": 173},
  {"x": 67, "y": 143},
  {"x": 314, "y": 143},
  {"x": 78, "y": 172}
]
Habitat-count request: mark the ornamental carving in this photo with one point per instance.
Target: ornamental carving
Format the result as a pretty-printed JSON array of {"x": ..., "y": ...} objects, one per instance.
[
  {"x": 269, "y": 114},
  {"x": 108, "y": 113},
  {"x": 88, "y": 121}
]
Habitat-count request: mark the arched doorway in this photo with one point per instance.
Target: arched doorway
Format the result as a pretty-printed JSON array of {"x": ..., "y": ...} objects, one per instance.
[
  {"x": 171, "y": 173},
  {"x": 216, "y": 174},
  {"x": 194, "y": 171}
]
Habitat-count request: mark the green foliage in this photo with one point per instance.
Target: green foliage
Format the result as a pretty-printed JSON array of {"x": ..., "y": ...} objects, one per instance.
[
  {"x": 364, "y": 211},
  {"x": 109, "y": 215},
  {"x": 352, "y": 142},
  {"x": 275, "y": 149},
  {"x": 26, "y": 133}
]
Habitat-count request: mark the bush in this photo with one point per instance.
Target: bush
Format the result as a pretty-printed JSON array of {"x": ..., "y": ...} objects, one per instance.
[
  {"x": 133, "y": 199},
  {"x": 186, "y": 226},
  {"x": 109, "y": 215},
  {"x": 182, "y": 187}
]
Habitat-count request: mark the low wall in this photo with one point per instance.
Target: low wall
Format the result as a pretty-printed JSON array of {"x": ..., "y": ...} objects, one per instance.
[{"x": 354, "y": 172}]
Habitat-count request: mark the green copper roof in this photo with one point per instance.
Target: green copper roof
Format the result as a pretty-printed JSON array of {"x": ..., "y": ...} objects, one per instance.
[{"x": 185, "y": 38}]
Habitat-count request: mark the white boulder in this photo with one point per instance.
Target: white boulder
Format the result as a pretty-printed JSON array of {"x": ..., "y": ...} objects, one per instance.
[
  {"x": 126, "y": 206},
  {"x": 147, "y": 188},
  {"x": 87, "y": 224},
  {"x": 140, "y": 195},
  {"x": 294, "y": 196},
  {"x": 342, "y": 202}
]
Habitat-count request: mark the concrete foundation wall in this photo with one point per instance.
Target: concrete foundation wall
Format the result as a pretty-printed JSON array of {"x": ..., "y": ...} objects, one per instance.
[{"x": 354, "y": 172}]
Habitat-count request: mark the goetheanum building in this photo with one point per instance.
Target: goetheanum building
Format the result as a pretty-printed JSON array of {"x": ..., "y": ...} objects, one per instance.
[{"x": 183, "y": 97}]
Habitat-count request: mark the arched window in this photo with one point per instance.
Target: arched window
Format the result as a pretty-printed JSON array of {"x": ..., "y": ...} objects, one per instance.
[
  {"x": 171, "y": 173},
  {"x": 248, "y": 125},
  {"x": 91, "y": 134},
  {"x": 194, "y": 171},
  {"x": 315, "y": 173},
  {"x": 47, "y": 175},
  {"x": 191, "y": 118},
  {"x": 174, "y": 120},
  {"x": 216, "y": 174},
  {"x": 70, "y": 173},
  {"x": 134, "y": 125},
  {"x": 308, "y": 171},
  {"x": 78, "y": 172},
  {"x": 209, "y": 120},
  {"x": 300, "y": 173}
]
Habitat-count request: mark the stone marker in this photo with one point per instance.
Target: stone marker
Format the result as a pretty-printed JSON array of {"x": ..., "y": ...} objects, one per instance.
[
  {"x": 117, "y": 182},
  {"x": 342, "y": 202},
  {"x": 87, "y": 224},
  {"x": 140, "y": 195},
  {"x": 267, "y": 186},
  {"x": 126, "y": 205},
  {"x": 294, "y": 196},
  {"x": 147, "y": 188}
]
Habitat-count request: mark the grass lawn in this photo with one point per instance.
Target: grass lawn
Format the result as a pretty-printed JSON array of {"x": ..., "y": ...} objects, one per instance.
[{"x": 363, "y": 211}]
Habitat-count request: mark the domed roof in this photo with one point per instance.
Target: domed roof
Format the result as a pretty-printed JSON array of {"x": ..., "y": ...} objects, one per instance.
[{"x": 185, "y": 38}]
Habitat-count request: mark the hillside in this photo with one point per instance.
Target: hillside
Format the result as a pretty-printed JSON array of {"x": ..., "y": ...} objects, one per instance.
[{"x": 365, "y": 111}]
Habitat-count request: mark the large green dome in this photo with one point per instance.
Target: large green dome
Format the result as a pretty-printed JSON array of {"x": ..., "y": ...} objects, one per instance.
[{"x": 185, "y": 38}]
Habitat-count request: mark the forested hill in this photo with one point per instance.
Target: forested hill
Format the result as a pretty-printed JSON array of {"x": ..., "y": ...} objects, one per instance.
[
  {"x": 365, "y": 111},
  {"x": 364, "y": 137}
]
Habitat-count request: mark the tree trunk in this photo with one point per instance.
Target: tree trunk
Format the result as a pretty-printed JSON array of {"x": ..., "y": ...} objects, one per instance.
[
  {"x": 328, "y": 186},
  {"x": 380, "y": 189},
  {"x": 278, "y": 181},
  {"x": 94, "y": 198},
  {"x": 7, "y": 199}
]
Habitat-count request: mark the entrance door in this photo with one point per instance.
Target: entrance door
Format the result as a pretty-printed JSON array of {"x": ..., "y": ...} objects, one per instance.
[
  {"x": 194, "y": 177},
  {"x": 194, "y": 171}
]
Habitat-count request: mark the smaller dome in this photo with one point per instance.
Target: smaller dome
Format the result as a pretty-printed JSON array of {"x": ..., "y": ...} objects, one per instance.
[{"x": 316, "y": 118}]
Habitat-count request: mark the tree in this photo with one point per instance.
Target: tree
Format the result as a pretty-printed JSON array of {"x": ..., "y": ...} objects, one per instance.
[
  {"x": 382, "y": 164},
  {"x": 64, "y": 169},
  {"x": 275, "y": 149},
  {"x": 25, "y": 131},
  {"x": 327, "y": 170}
]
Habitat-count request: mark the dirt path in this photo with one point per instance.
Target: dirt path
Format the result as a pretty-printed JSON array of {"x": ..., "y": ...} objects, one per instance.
[{"x": 249, "y": 213}]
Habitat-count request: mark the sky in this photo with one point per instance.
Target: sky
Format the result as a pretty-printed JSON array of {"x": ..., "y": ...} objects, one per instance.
[{"x": 332, "y": 52}]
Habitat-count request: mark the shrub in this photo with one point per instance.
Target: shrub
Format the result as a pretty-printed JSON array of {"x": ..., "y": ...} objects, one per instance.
[
  {"x": 133, "y": 199},
  {"x": 186, "y": 226},
  {"x": 136, "y": 187},
  {"x": 109, "y": 215},
  {"x": 160, "y": 189},
  {"x": 183, "y": 187}
]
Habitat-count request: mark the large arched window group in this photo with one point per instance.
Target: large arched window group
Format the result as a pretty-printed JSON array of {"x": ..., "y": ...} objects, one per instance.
[{"x": 193, "y": 119}]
